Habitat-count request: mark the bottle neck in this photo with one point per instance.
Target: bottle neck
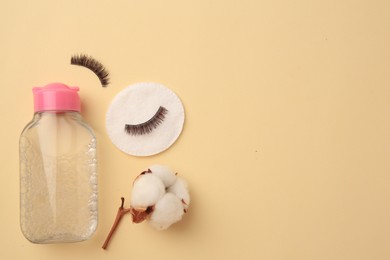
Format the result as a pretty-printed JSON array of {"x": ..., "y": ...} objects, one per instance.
[{"x": 57, "y": 113}]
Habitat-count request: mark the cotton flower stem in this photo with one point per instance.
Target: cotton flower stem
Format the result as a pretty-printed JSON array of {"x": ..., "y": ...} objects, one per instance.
[{"x": 121, "y": 212}]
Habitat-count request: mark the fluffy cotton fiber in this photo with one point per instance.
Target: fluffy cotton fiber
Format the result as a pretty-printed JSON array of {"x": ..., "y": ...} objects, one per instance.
[
  {"x": 162, "y": 195},
  {"x": 167, "y": 211},
  {"x": 147, "y": 190},
  {"x": 180, "y": 189},
  {"x": 166, "y": 175}
]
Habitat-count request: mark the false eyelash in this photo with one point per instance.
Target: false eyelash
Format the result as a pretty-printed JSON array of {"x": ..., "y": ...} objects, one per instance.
[
  {"x": 148, "y": 126},
  {"x": 94, "y": 65}
]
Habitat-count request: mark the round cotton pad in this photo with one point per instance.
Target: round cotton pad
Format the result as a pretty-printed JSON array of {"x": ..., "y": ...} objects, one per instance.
[{"x": 137, "y": 104}]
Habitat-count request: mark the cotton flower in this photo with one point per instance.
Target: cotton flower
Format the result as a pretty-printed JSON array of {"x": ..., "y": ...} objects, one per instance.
[{"x": 160, "y": 197}]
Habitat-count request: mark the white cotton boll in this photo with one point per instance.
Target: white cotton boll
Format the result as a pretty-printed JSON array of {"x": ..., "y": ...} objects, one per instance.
[
  {"x": 180, "y": 189},
  {"x": 167, "y": 176},
  {"x": 147, "y": 190},
  {"x": 168, "y": 210}
]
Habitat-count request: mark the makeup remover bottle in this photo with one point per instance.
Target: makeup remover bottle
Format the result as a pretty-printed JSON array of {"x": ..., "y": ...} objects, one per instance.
[{"x": 58, "y": 177}]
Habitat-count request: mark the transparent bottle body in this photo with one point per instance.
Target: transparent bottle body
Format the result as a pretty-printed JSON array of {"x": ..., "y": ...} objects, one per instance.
[{"x": 58, "y": 178}]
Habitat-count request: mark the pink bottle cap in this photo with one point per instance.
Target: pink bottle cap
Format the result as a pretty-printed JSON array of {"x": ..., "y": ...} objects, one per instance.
[{"x": 56, "y": 96}]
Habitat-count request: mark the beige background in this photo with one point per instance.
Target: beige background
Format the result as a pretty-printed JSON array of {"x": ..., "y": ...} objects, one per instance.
[{"x": 286, "y": 141}]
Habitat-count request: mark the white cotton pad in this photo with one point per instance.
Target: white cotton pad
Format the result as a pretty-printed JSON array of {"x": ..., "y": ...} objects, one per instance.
[{"x": 137, "y": 104}]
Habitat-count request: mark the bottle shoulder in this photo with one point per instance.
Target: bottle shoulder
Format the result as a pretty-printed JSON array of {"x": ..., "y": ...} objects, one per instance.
[
  {"x": 29, "y": 126},
  {"x": 57, "y": 134},
  {"x": 58, "y": 121}
]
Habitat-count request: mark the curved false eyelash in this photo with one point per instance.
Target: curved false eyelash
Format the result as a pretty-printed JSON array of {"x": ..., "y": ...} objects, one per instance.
[
  {"x": 94, "y": 65},
  {"x": 148, "y": 126}
]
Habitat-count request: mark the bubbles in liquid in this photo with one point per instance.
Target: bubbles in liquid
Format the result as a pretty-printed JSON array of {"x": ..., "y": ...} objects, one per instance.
[{"x": 58, "y": 194}]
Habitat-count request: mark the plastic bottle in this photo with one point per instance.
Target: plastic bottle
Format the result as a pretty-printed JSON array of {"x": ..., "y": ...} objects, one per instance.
[{"x": 58, "y": 175}]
